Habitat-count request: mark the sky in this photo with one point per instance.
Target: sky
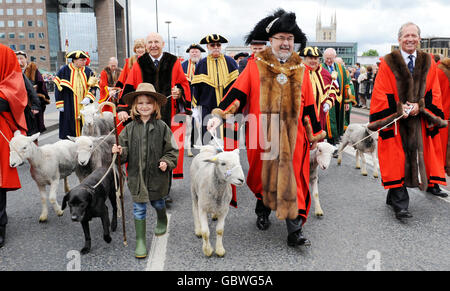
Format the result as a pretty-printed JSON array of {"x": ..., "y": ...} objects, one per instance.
[{"x": 373, "y": 24}]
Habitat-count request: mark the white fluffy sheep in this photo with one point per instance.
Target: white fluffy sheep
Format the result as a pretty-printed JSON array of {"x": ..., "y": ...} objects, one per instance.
[
  {"x": 96, "y": 123},
  {"x": 319, "y": 157},
  {"x": 356, "y": 132},
  {"x": 48, "y": 164},
  {"x": 212, "y": 174}
]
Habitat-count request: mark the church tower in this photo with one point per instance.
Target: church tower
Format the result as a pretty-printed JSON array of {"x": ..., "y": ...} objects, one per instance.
[{"x": 326, "y": 33}]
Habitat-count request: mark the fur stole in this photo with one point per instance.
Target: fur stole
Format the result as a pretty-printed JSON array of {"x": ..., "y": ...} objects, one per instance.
[{"x": 281, "y": 102}]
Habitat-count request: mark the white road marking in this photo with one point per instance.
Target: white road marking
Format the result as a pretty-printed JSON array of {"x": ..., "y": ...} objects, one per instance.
[
  {"x": 351, "y": 151},
  {"x": 157, "y": 254}
]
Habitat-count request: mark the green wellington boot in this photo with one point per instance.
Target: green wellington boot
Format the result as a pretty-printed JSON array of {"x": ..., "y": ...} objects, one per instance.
[
  {"x": 141, "y": 249},
  {"x": 161, "y": 224}
]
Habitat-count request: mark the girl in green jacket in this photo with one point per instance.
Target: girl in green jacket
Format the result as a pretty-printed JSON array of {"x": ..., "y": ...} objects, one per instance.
[{"x": 147, "y": 144}]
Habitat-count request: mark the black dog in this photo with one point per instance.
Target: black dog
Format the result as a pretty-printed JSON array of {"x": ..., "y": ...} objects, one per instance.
[{"x": 85, "y": 202}]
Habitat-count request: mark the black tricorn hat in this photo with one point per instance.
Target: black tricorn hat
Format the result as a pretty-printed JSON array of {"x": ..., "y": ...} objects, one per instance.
[
  {"x": 77, "y": 55},
  {"x": 213, "y": 38},
  {"x": 280, "y": 21},
  {"x": 241, "y": 54},
  {"x": 195, "y": 46},
  {"x": 310, "y": 52}
]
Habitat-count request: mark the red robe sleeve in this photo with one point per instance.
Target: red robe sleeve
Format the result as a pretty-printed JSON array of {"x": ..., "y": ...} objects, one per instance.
[
  {"x": 103, "y": 84},
  {"x": 123, "y": 75}
]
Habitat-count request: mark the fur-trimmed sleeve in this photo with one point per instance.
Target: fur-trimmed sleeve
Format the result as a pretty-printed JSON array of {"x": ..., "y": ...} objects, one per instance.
[{"x": 312, "y": 125}]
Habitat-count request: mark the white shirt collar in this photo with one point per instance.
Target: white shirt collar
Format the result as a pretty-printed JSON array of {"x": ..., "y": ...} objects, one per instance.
[
  {"x": 159, "y": 59},
  {"x": 405, "y": 56}
]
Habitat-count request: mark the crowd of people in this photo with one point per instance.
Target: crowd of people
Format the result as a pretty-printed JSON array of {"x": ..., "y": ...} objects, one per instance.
[{"x": 294, "y": 99}]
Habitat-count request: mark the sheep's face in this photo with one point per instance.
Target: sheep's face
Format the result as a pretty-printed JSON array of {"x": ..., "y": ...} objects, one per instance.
[
  {"x": 324, "y": 154},
  {"x": 88, "y": 113},
  {"x": 229, "y": 167},
  {"x": 84, "y": 149},
  {"x": 20, "y": 148}
]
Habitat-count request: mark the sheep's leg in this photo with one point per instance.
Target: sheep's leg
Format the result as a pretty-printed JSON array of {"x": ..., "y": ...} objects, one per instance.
[
  {"x": 375, "y": 164},
  {"x": 52, "y": 198},
  {"x": 203, "y": 217},
  {"x": 363, "y": 163},
  {"x": 220, "y": 250},
  {"x": 197, "y": 228},
  {"x": 44, "y": 211},
  {"x": 341, "y": 149},
  {"x": 66, "y": 185},
  {"x": 358, "y": 165},
  {"x": 315, "y": 190}
]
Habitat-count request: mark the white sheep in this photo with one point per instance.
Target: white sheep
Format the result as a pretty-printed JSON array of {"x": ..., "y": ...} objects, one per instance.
[
  {"x": 96, "y": 123},
  {"x": 319, "y": 157},
  {"x": 356, "y": 132},
  {"x": 92, "y": 153},
  {"x": 211, "y": 176},
  {"x": 48, "y": 164}
]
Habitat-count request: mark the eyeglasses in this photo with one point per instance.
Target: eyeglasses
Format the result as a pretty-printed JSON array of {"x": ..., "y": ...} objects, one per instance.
[
  {"x": 215, "y": 44},
  {"x": 283, "y": 39}
]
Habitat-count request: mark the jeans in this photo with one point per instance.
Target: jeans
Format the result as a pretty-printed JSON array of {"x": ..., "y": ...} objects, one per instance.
[{"x": 140, "y": 209}]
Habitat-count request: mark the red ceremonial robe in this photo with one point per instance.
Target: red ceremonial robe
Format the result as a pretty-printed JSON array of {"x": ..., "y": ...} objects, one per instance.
[
  {"x": 411, "y": 146},
  {"x": 443, "y": 75},
  {"x": 245, "y": 95},
  {"x": 13, "y": 93},
  {"x": 177, "y": 78}
]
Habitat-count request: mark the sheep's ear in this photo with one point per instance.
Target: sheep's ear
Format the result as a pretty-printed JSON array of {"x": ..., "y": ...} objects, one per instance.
[
  {"x": 74, "y": 139},
  {"x": 35, "y": 136},
  {"x": 17, "y": 133},
  {"x": 213, "y": 160}
]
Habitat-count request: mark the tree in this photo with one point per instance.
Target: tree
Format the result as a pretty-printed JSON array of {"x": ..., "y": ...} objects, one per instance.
[{"x": 370, "y": 53}]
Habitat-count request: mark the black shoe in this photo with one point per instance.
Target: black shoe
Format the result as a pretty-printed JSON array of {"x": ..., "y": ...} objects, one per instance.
[
  {"x": 335, "y": 154},
  {"x": 2, "y": 235},
  {"x": 437, "y": 191},
  {"x": 297, "y": 239},
  {"x": 262, "y": 222},
  {"x": 403, "y": 213}
]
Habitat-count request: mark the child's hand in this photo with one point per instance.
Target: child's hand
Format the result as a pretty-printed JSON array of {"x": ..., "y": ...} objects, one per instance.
[
  {"x": 163, "y": 166},
  {"x": 116, "y": 149}
]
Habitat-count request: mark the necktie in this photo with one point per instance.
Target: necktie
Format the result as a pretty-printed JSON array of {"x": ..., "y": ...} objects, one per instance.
[
  {"x": 331, "y": 69},
  {"x": 156, "y": 63},
  {"x": 411, "y": 64}
]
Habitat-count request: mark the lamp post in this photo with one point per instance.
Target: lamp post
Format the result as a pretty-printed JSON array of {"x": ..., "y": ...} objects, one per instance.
[
  {"x": 157, "y": 28},
  {"x": 168, "y": 32},
  {"x": 174, "y": 45}
]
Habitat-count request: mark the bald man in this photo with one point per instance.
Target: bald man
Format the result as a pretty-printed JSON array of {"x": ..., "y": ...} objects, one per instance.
[
  {"x": 108, "y": 78},
  {"x": 164, "y": 71}
]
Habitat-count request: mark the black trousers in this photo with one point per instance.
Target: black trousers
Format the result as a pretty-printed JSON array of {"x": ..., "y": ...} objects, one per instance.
[
  {"x": 3, "y": 216},
  {"x": 398, "y": 198},
  {"x": 292, "y": 225}
]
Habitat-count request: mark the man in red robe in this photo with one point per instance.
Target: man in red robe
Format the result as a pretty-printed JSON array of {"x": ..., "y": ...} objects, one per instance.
[
  {"x": 164, "y": 72},
  {"x": 13, "y": 100},
  {"x": 275, "y": 91},
  {"x": 108, "y": 78},
  {"x": 409, "y": 150}
]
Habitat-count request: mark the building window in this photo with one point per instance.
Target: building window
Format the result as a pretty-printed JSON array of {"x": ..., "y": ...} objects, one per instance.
[
  {"x": 2, "y": 34},
  {"x": 30, "y": 23},
  {"x": 40, "y": 23},
  {"x": 2, "y": 23},
  {"x": 8, "y": 1},
  {"x": 42, "y": 47},
  {"x": 18, "y": 1},
  {"x": 1, "y": 11},
  {"x": 10, "y": 23},
  {"x": 33, "y": 59},
  {"x": 29, "y": 1},
  {"x": 22, "y": 47},
  {"x": 13, "y": 47},
  {"x": 21, "y": 35},
  {"x": 30, "y": 11},
  {"x": 31, "y": 35},
  {"x": 9, "y": 11},
  {"x": 41, "y": 35},
  {"x": 20, "y": 23},
  {"x": 39, "y": 12},
  {"x": 43, "y": 59},
  {"x": 32, "y": 47},
  {"x": 19, "y": 11}
]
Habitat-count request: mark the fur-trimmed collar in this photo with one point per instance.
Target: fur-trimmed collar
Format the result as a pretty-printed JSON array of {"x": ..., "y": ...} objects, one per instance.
[{"x": 444, "y": 65}]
